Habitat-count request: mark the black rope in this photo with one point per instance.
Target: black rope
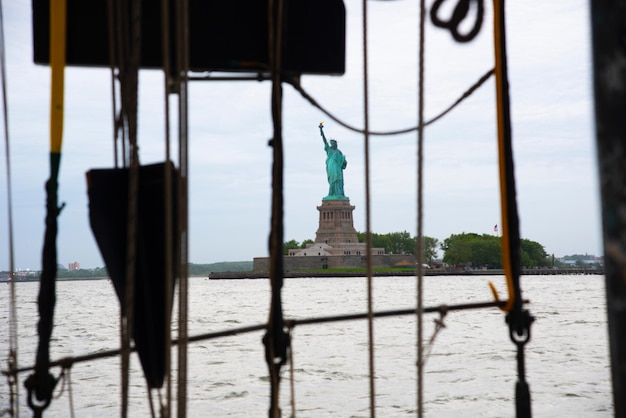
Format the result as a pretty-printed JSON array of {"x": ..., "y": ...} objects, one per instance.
[
  {"x": 294, "y": 82},
  {"x": 41, "y": 383},
  {"x": 458, "y": 16},
  {"x": 276, "y": 339}
]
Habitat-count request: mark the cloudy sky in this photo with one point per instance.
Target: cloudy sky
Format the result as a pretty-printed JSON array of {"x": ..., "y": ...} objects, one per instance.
[{"x": 230, "y": 124}]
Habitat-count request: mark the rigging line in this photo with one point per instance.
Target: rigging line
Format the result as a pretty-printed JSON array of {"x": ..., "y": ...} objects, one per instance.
[
  {"x": 41, "y": 382},
  {"x": 292, "y": 383},
  {"x": 298, "y": 87},
  {"x": 439, "y": 325},
  {"x": 70, "y": 391},
  {"x": 112, "y": 51},
  {"x": 420, "y": 217},
  {"x": 169, "y": 280},
  {"x": 13, "y": 339},
  {"x": 233, "y": 332},
  {"x": 183, "y": 215},
  {"x": 66, "y": 379},
  {"x": 518, "y": 319},
  {"x": 151, "y": 403},
  {"x": 368, "y": 236},
  {"x": 276, "y": 340},
  {"x": 129, "y": 42}
]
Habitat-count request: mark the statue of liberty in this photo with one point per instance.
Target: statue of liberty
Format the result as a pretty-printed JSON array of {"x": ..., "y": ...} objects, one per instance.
[{"x": 335, "y": 164}]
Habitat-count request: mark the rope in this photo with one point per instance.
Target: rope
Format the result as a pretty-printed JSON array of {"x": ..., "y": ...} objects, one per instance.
[
  {"x": 12, "y": 313},
  {"x": 439, "y": 325},
  {"x": 150, "y": 402},
  {"x": 183, "y": 151},
  {"x": 296, "y": 85},
  {"x": 165, "y": 47},
  {"x": 70, "y": 391},
  {"x": 458, "y": 15},
  {"x": 66, "y": 378},
  {"x": 126, "y": 47},
  {"x": 420, "y": 211},
  {"x": 292, "y": 382},
  {"x": 42, "y": 383},
  {"x": 368, "y": 229},
  {"x": 112, "y": 68},
  {"x": 276, "y": 340},
  {"x": 508, "y": 207},
  {"x": 518, "y": 319}
]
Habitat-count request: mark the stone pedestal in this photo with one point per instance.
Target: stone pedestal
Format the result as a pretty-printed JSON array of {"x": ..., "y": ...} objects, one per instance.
[{"x": 336, "y": 224}]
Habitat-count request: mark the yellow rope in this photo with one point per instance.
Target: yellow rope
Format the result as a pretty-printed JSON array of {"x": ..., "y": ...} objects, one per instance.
[
  {"x": 57, "y": 66},
  {"x": 506, "y": 256}
]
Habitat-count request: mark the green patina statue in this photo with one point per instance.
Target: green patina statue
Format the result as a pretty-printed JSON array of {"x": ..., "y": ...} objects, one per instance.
[{"x": 335, "y": 164}]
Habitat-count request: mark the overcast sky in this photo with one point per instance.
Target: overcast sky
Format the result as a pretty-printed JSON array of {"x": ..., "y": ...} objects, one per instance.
[{"x": 230, "y": 124}]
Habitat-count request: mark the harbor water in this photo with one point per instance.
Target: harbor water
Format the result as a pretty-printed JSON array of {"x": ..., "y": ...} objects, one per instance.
[{"x": 471, "y": 369}]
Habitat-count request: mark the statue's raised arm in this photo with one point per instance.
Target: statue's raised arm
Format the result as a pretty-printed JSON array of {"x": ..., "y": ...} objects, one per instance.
[{"x": 322, "y": 133}]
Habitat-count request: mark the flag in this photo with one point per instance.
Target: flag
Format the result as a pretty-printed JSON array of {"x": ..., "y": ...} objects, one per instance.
[{"x": 495, "y": 228}]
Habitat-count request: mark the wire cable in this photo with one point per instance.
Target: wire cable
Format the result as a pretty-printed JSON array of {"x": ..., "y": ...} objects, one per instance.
[
  {"x": 12, "y": 307},
  {"x": 368, "y": 228},
  {"x": 298, "y": 87},
  {"x": 182, "y": 18},
  {"x": 420, "y": 217}
]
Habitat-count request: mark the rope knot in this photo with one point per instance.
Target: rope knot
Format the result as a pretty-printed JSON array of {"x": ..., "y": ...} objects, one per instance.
[{"x": 42, "y": 387}]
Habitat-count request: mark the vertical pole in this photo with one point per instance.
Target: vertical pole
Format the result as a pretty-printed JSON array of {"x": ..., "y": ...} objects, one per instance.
[{"x": 609, "y": 76}]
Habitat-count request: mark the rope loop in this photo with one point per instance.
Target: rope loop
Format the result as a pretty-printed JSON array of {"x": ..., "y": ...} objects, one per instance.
[
  {"x": 42, "y": 392},
  {"x": 519, "y": 326},
  {"x": 458, "y": 16}
]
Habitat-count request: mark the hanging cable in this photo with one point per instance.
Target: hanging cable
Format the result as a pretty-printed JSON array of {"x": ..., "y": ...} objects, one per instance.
[
  {"x": 126, "y": 25},
  {"x": 296, "y": 85},
  {"x": 276, "y": 339},
  {"x": 518, "y": 319},
  {"x": 41, "y": 384},
  {"x": 112, "y": 68},
  {"x": 420, "y": 209},
  {"x": 368, "y": 228},
  {"x": 13, "y": 378},
  {"x": 182, "y": 71},
  {"x": 169, "y": 279},
  {"x": 292, "y": 381}
]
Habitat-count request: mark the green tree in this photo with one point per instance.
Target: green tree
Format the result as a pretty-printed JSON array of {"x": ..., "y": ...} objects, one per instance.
[
  {"x": 306, "y": 242},
  {"x": 430, "y": 249},
  {"x": 486, "y": 250},
  {"x": 533, "y": 254},
  {"x": 290, "y": 245},
  {"x": 472, "y": 249},
  {"x": 402, "y": 243}
]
